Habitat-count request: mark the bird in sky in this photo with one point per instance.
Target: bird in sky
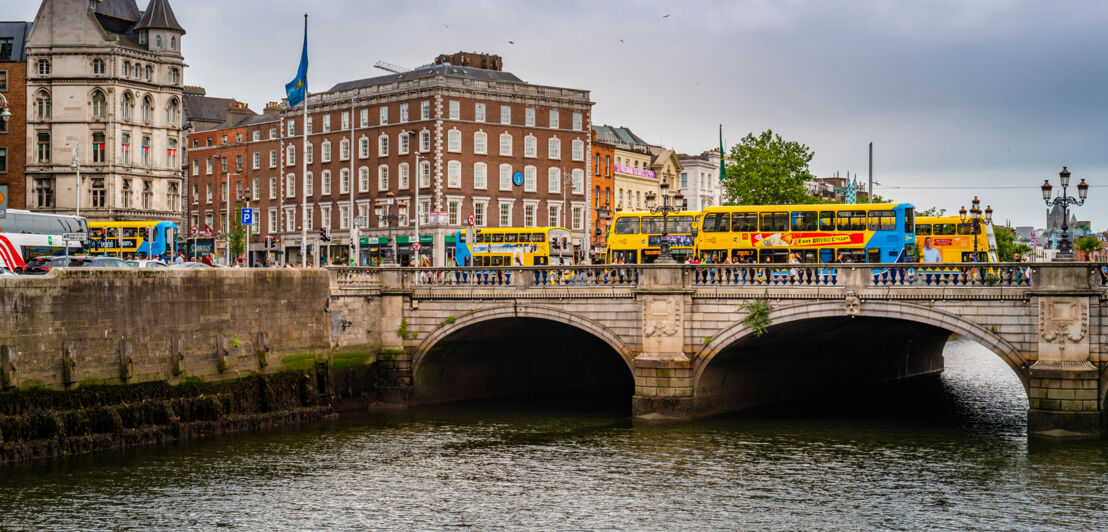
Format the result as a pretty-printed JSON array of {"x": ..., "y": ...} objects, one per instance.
[
  {"x": 621, "y": 40},
  {"x": 511, "y": 42},
  {"x": 666, "y": 15}
]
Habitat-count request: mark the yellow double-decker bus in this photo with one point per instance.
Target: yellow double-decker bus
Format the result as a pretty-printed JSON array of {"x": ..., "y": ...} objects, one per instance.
[
  {"x": 514, "y": 246},
  {"x": 636, "y": 237},
  {"x": 150, "y": 238},
  {"x": 877, "y": 233},
  {"x": 954, "y": 238}
]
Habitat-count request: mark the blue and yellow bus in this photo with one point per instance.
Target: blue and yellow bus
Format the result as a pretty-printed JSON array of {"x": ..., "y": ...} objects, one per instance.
[
  {"x": 151, "y": 238},
  {"x": 514, "y": 246},
  {"x": 873, "y": 233}
]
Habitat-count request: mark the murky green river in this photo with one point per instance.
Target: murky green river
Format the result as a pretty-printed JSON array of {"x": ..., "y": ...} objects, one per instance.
[{"x": 945, "y": 454}]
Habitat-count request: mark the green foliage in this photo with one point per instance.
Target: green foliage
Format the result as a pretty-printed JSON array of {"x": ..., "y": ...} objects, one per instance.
[
  {"x": 238, "y": 235},
  {"x": 1006, "y": 245},
  {"x": 933, "y": 211},
  {"x": 768, "y": 170},
  {"x": 758, "y": 317},
  {"x": 403, "y": 332},
  {"x": 235, "y": 340},
  {"x": 1087, "y": 244},
  {"x": 707, "y": 340}
]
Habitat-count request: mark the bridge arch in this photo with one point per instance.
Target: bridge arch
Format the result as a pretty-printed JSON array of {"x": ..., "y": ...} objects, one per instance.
[
  {"x": 892, "y": 310},
  {"x": 523, "y": 351},
  {"x": 529, "y": 311}
]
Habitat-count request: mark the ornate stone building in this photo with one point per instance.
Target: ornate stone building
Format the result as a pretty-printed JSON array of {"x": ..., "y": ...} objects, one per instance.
[{"x": 105, "y": 78}]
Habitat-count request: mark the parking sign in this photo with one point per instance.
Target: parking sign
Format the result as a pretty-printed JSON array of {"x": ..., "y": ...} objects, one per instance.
[{"x": 248, "y": 217}]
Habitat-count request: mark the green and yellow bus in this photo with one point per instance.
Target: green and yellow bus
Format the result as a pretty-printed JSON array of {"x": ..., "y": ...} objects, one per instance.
[
  {"x": 876, "y": 233},
  {"x": 636, "y": 237},
  {"x": 514, "y": 246}
]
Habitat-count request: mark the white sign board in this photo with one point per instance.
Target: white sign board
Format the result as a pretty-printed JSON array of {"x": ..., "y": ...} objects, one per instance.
[{"x": 438, "y": 218}]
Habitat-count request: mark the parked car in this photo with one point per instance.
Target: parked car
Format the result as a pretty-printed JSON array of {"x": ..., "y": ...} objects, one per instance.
[
  {"x": 199, "y": 265},
  {"x": 41, "y": 265},
  {"x": 145, "y": 263}
]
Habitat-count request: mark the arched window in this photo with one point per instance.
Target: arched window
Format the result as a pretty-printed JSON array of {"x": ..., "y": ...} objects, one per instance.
[
  {"x": 126, "y": 69},
  {"x": 148, "y": 72},
  {"x": 325, "y": 151},
  {"x": 171, "y": 112},
  {"x": 99, "y": 103},
  {"x": 554, "y": 148},
  {"x": 126, "y": 105},
  {"x": 383, "y": 145},
  {"x": 172, "y": 43},
  {"x": 290, "y": 155},
  {"x": 382, "y": 178},
  {"x": 158, "y": 41},
  {"x": 147, "y": 105},
  {"x": 480, "y": 143},
  {"x": 97, "y": 66},
  {"x": 42, "y": 104},
  {"x": 174, "y": 76},
  {"x": 505, "y": 144},
  {"x": 363, "y": 179}
]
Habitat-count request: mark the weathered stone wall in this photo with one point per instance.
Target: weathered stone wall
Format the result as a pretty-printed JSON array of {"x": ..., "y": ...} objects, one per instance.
[{"x": 78, "y": 327}]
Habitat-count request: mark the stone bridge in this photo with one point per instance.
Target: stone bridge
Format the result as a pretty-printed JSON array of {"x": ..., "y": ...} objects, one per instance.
[{"x": 687, "y": 341}]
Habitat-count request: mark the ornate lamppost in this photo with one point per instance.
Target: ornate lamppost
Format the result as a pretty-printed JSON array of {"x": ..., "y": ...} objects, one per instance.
[
  {"x": 1065, "y": 246},
  {"x": 975, "y": 216},
  {"x": 388, "y": 217},
  {"x": 665, "y": 209}
]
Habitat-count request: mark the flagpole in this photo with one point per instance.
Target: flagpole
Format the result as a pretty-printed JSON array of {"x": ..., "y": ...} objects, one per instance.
[{"x": 304, "y": 173}]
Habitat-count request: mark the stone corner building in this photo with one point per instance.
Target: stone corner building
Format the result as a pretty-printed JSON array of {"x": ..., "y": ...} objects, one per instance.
[{"x": 105, "y": 78}]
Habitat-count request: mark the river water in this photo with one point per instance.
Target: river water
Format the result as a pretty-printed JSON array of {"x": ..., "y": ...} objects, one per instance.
[{"x": 948, "y": 453}]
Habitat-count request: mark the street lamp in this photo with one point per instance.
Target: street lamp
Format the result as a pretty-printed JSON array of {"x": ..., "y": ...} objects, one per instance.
[
  {"x": 665, "y": 209},
  {"x": 415, "y": 175},
  {"x": 975, "y": 215},
  {"x": 387, "y": 216},
  {"x": 603, "y": 213},
  {"x": 5, "y": 113},
  {"x": 1065, "y": 246}
]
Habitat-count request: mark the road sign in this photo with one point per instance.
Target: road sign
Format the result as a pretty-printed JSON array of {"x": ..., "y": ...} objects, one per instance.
[
  {"x": 470, "y": 219},
  {"x": 517, "y": 179},
  {"x": 194, "y": 231},
  {"x": 73, "y": 237},
  {"x": 438, "y": 218},
  {"x": 248, "y": 217},
  {"x": 3, "y": 200},
  {"x": 417, "y": 246}
]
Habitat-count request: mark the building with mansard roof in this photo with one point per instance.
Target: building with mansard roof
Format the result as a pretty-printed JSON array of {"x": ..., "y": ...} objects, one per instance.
[{"x": 104, "y": 89}]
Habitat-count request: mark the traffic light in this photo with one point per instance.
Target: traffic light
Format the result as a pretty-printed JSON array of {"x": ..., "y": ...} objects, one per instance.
[{"x": 323, "y": 235}]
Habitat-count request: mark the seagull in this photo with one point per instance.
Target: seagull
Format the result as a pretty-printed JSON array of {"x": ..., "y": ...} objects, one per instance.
[
  {"x": 447, "y": 26},
  {"x": 621, "y": 40},
  {"x": 511, "y": 42},
  {"x": 666, "y": 15}
]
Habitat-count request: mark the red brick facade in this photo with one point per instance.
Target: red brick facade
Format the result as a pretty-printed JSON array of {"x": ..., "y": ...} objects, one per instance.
[
  {"x": 603, "y": 185},
  {"x": 13, "y": 137}
]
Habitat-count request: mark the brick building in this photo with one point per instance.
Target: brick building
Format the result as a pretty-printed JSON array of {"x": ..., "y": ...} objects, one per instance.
[
  {"x": 468, "y": 130},
  {"x": 239, "y": 156},
  {"x": 603, "y": 186},
  {"x": 13, "y": 131}
]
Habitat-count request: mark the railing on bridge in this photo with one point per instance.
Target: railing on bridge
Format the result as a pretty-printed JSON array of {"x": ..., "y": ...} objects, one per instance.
[{"x": 951, "y": 275}]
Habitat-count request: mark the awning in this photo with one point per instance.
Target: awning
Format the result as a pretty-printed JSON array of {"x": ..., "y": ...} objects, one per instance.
[{"x": 423, "y": 239}]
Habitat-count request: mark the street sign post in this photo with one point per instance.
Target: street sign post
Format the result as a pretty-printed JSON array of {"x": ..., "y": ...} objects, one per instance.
[
  {"x": 248, "y": 216},
  {"x": 416, "y": 246}
]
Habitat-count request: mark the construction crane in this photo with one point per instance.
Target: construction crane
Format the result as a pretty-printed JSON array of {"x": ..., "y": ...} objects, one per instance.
[{"x": 389, "y": 67}]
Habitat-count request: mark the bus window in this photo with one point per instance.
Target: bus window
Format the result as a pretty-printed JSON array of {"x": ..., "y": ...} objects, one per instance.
[
  {"x": 923, "y": 230},
  {"x": 625, "y": 256},
  {"x": 943, "y": 230},
  {"x": 773, "y": 256},
  {"x": 511, "y": 237},
  {"x": 525, "y": 237},
  {"x": 649, "y": 256},
  {"x": 804, "y": 220},
  {"x": 775, "y": 221},
  {"x": 540, "y": 260},
  {"x": 882, "y": 221},
  {"x": 538, "y": 237},
  {"x": 497, "y": 237},
  {"x": 909, "y": 220},
  {"x": 826, "y": 220},
  {"x": 826, "y": 255},
  {"x": 744, "y": 222},
  {"x": 982, "y": 256},
  {"x": 873, "y": 255},
  {"x": 851, "y": 221},
  {"x": 965, "y": 229},
  {"x": 852, "y": 255},
  {"x": 719, "y": 222},
  {"x": 714, "y": 255},
  {"x": 628, "y": 225},
  {"x": 651, "y": 225},
  {"x": 742, "y": 256},
  {"x": 680, "y": 224},
  {"x": 497, "y": 260},
  {"x": 807, "y": 256}
]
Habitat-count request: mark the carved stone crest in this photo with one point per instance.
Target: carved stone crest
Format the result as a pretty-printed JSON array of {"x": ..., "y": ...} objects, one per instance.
[
  {"x": 852, "y": 305},
  {"x": 1063, "y": 321},
  {"x": 662, "y": 317}
]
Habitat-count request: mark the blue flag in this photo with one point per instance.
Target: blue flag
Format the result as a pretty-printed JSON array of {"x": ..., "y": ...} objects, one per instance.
[{"x": 297, "y": 89}]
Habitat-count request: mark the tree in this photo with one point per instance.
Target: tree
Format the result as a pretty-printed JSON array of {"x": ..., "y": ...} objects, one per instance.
[
  {"x": 1087, "y": 244},
  {"x": 933, "y": 211},
  {"x": 1006, "y": 245},
  {"x": 768, "y": 170},
  {"x": 238, "y": 235}
]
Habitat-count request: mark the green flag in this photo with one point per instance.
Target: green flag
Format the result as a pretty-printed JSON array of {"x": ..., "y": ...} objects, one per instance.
[{"x": 722, "y": 157}]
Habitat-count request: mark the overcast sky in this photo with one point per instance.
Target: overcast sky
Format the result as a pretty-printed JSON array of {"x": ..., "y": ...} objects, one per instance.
[{"x": 960, "y": 98}]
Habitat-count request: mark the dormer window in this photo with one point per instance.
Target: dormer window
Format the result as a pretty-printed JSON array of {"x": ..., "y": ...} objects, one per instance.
[
  {"x": 142, "y": 37},
  {"x": 172, "y": 43},
  {"x": 158, "y": 41}
]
